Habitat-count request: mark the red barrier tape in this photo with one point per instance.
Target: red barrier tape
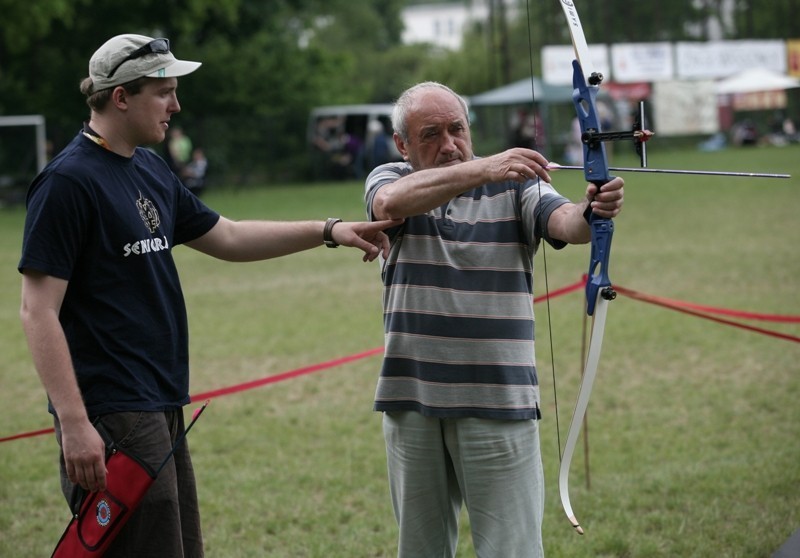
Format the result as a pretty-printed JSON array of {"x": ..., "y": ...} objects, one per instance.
[
  {"x": 688, "y": 308},
  {"x": 27, "y": 435},
  {"x": 562, "y": 291},
  {"x": 283, "y": 376},
  {"x": 669, "y": 303},
  {"x": 694, "y": 310},
  {"x": 242, "y": 387}
]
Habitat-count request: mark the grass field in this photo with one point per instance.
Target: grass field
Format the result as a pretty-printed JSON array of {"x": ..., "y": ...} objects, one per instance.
[{"x": 694, "y": 427}]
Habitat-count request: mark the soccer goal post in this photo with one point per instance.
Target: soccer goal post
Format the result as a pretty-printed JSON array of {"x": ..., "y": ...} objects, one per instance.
[
  {"x": 23, "y": 154},
  {"x": 37, "y": 121}
]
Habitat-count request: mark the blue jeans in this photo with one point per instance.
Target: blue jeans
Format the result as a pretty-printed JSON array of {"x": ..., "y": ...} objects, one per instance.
[
  {"x": 493, "y": 466},
  {"x": 167, "y": 522}
]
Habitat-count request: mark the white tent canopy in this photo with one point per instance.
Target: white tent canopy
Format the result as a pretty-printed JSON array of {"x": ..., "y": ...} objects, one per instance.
[{"x": 755, "y": 80}]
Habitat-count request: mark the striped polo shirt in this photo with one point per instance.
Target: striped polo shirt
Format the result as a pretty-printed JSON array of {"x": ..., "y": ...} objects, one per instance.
[{"x": 458, "y": 302}]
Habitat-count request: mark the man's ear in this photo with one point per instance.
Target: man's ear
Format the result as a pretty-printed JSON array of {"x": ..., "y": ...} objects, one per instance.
[
  {"x": 119, "y": 97},
  {"x": 401, "y": 145}
]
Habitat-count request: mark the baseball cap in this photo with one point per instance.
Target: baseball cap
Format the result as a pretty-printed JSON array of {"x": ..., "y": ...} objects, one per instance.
[{"x": 128, "y": 57}]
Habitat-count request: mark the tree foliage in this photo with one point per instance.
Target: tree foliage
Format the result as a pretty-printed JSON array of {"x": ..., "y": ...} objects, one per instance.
[{"x": 265, "y": 64}]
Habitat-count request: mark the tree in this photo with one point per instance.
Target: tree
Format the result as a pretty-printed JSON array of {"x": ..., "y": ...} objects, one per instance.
[{"x": 266, "y": 64}]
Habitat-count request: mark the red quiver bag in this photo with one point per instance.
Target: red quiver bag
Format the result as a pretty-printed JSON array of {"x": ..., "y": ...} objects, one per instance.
[
  {"x": 102, "y": 514},
  {"x": 98, "y": 518}
]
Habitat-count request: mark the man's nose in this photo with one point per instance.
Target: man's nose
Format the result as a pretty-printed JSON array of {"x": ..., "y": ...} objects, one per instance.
[
  {"x": 448, "y": 143},
  {"x": 175, "y": 106}
]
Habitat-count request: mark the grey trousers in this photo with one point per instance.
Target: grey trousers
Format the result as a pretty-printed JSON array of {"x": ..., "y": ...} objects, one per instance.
[
  {"x": 167, "y": 522},
  {"x": 493, "y": 466}
]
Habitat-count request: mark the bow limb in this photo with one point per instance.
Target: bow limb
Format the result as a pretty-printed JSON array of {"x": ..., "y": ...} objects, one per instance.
[
  {"x": 578, "y": 38},
  {"x": 598, "y": 327},
  {"x": 599, "y": 293}
]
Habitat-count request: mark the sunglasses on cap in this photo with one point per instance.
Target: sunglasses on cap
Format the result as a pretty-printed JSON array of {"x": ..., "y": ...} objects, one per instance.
[{"x": 156, "y": 46}]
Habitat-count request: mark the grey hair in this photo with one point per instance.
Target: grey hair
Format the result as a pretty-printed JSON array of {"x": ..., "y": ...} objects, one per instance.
[{"x": 406, "y": 99}]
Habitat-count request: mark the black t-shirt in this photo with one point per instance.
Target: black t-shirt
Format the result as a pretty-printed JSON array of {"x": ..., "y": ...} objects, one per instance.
[{"x": 107, "y": 224}]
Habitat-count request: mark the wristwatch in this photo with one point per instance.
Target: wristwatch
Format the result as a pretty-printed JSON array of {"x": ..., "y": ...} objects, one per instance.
[{"x": 327, "y": 232}]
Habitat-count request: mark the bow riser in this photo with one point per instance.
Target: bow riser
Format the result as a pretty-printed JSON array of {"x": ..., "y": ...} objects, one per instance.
[
  {"x": 595, "y": 170},
  {"x": 598, "y": 281},
  {"x": 584, "y": 98}
]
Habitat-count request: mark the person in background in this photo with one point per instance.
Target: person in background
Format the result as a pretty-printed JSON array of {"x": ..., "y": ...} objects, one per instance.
[
  {"x": 458, "y": 387},
  {"x": 379, "y": 142},
  {"x": 573, "y": 150},
  {"x": 102, "y": 306},
  {"x": 179, "y": 150},
  {"x": 194, "y": 173}
]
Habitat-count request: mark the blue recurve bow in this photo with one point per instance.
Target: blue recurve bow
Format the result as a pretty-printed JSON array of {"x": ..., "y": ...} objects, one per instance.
[{"x": 599, "y": 291}]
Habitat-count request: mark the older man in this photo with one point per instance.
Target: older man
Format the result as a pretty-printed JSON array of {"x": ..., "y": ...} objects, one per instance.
[{"x": 458, "y": 387}]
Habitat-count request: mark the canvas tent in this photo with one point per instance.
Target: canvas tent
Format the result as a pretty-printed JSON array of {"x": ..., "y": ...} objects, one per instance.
[
  {"x": 755, "y": 80},
  {"x": 495, "y": 109},
  {"x": 519, "y": 93}
]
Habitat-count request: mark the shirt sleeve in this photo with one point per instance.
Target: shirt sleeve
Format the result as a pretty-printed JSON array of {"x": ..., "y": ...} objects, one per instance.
[
  {"x": 381, "y": 176},
  {"x": 56, "y": 225},
  {"x": 194, "y": 218},
  {"x": 538, "y": 201}
]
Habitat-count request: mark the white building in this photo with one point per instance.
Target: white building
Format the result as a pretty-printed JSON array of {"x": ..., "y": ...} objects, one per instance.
[{"x": 444, "y": 24}]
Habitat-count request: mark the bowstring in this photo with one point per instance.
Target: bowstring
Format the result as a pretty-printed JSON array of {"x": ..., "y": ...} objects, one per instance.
[{"x": 544, "y": 243}]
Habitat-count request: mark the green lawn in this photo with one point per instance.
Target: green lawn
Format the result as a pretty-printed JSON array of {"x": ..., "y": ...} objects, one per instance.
[{"x": 694, "y": 427}]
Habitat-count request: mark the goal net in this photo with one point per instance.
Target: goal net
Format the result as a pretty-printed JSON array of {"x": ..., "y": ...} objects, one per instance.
[{"x": 23, "y": 154}]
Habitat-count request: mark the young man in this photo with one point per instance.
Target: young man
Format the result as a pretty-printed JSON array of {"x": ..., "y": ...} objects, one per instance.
[
  {"x": 102, "y": 305},
  {"x": 458, "y": 388}
]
